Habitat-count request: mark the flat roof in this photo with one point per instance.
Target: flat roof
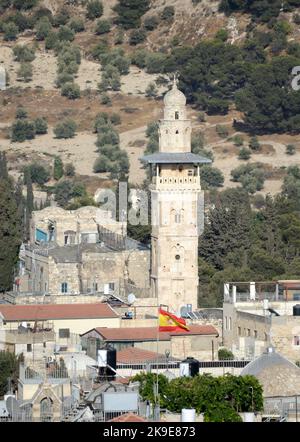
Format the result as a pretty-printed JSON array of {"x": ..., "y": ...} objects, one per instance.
[{"x": 175, "y": 158}]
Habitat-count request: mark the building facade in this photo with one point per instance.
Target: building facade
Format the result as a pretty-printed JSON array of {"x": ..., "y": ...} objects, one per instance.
[
  {"x": 175, "y": 199},
  {"x": 260, "y": 316},
  {"x": 80, "y": 252}
]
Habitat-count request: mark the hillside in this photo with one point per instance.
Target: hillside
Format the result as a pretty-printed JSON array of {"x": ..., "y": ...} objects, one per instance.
[{"x": 187, "y": 25}]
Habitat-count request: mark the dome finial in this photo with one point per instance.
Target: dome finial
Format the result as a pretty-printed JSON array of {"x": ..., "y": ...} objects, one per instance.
[{"x": 175, "y": 80}]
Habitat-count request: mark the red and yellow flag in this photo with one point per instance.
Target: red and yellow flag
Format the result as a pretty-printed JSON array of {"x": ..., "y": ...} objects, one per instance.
[{"x": 169, "y": 322}]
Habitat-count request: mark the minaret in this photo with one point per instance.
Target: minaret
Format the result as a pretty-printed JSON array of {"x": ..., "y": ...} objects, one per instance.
[{"x": 175, "y": 191}]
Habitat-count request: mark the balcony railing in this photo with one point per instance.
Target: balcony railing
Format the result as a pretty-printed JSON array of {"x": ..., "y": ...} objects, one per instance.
[
  {"x": 29, "y": 337},
  {"x": 177, "y": 182}
]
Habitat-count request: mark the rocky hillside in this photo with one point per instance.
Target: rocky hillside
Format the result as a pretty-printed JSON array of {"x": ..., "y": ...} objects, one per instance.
[{"x": 113, "y": 70}]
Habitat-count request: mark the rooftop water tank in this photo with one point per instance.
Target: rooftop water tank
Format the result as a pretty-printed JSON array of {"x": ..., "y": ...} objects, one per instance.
[
  {"x": 188, "y": 415},
  {"x": 189, "y": 367},
  {"x": 296, "y": 310}
]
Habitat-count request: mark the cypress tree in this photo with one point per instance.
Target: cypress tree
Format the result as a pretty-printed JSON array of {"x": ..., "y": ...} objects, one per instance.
[
  {"x": 20, "y": 200},
  {"x": 10, "y": 234},
  {"x": 58, "y": 169},
  {"x": 29, "y": 203}
]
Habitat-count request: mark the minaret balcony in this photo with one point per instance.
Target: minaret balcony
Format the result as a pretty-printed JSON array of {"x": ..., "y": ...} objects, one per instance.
[{"x": 176, "y": 183}]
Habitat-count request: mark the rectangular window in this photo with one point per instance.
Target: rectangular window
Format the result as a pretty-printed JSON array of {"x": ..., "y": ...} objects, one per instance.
[
  {"x": 239, "y": 331},
  {"x": 44, "y": 344},
  {"x": 29, "y": 348},
  {"x": 64, "y": 332},
  {"x": 296, "y": 340},
  {"x": 248, "y": 332},
  {"x": 226, "y": 325},
  {"x": 111, "y": 286},
  {"x": 255, "y": 334},
  {"x": 229, "y": 323},
  {"x": 64, "y": 287}
]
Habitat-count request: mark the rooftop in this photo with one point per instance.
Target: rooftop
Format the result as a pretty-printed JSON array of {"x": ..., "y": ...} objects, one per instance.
[
  {"x": 149, "y": 333},
  {"x": 175, "y": 158},
  {"x": 131, "y": 355},
  {"x": 42, "y": 312},
  {"x": 128, "y": 417}
]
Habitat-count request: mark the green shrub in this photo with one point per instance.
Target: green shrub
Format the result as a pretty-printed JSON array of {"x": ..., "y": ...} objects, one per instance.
[
  {"x": 43, "y": 28},
  {"x": 222, "y": 35},
  {"x": 69, "y": 170},
  {"x": 168, "y": 13},
  {"x": 25, "y": 72},
  {"x": 139, "y": 57},
  {"x": 254, "y": 144},
  {"x": 39, "y": 174},
  {"x": 24, "y": 53},
  {"x": 105, "y": 99},
  {"x": 151, "y": 90},
  {"x": 224, "y": 354},
  {"x": 10, "y": 31},
  {"x": 151, "y": 23},
  {"x": 290, "y": 149},
  {"x": 115, "y": 119},
  {"x": 70, "y": 90},
  {"x": 41, "y": 126},
  {"x": 222, "y": 131},
  {"x": 63, "y": 78},
  {"x": 129, "y": 12},
  {"x": 24, "y": 4},
  {"x": 211, "y": 177},
  {"x": 154, "y": 63},
  {"x": 65, "y": 33},
  {"x": 77, "y": 24},
  {"x": 65, "y": 129},
  {"x": 22, "y": 130},
  {"x": 238, "y": 140},
  {"x": 244, "y": 154},
  {"x": 102, "y": 164},
  {"x": 21, "y": 113},
  {"x": 137, "y": 36},
  {"x": 51, "y": 40},
  {"x": 58, "y": 169},
  {"x": 61, "y": 18},
  {"x": 102, "y": 27},
  {"x": 119, "y": 38},
  {"x": 94, "y": 9}
]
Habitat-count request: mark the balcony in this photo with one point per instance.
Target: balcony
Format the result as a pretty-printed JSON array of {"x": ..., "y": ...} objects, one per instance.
[
  {"x": 29, "y": 337},
  {"x": 176, "y": 183}
]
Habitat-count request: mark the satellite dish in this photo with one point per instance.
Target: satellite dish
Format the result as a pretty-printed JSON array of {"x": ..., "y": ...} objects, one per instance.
[
  {"x": 12, "y": 406},
  {"x": 131, "y": 298}
]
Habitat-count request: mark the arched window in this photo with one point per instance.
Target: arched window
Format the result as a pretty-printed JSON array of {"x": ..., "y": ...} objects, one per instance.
[
  {"x": 176, "y": 115},
  {"x": 46, "y": 409}
]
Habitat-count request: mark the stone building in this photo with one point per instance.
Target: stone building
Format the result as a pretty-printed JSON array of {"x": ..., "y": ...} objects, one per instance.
[
  {"x": 175, "y": 199},
  {"x": 201, "y": 341},
  {"x": 70, "y": 227},
  {"x": 280, "y": 379},
  {"x": 59, "y": 324},
  {"x": 80, "y": 252},
  {"x": 258, "y": 315}
]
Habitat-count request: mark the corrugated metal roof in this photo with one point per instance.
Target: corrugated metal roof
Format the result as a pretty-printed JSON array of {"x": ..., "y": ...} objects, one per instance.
[{"x": 180, "y": 158}]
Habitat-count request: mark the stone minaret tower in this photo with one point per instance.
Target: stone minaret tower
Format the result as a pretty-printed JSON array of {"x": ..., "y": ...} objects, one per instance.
[{"x": 175, "y": 191}]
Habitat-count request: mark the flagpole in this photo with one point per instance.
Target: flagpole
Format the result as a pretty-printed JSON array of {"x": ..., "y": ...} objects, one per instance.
[{"x": 157, "y": 348}]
